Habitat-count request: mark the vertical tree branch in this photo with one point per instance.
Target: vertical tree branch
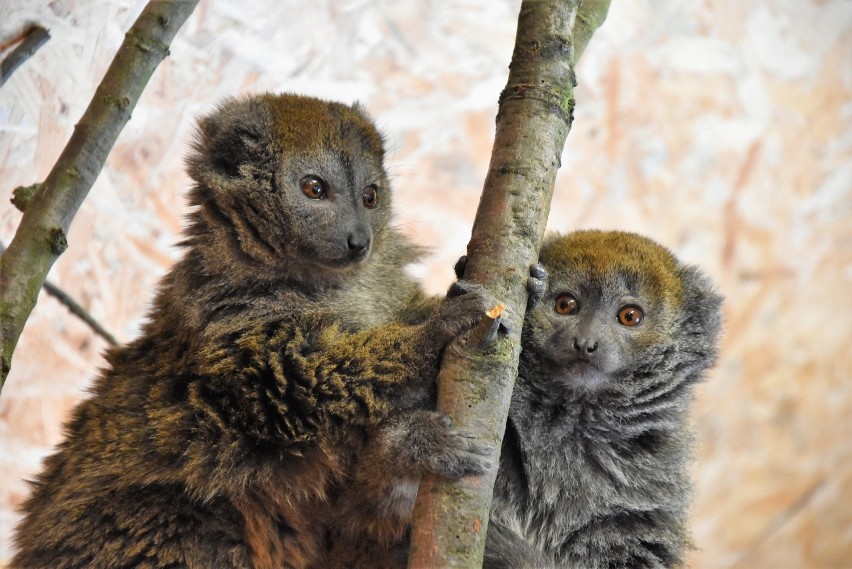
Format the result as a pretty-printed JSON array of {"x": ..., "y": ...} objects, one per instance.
[
  {"x": 41, "y": 236},
  {"x": 589, "y": 18},
  {"x": 475, "y": 383}
]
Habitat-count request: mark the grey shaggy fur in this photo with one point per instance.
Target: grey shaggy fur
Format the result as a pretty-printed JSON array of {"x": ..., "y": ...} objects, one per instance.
[{"x": 594, "y": 470}]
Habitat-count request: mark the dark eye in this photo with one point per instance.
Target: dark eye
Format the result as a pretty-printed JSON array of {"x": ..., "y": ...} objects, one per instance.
[
  {"x": 630, "y": 315},
  {"x": 565, "y": 304},
  {"x": 313, "y": 187},
  {"x": 371, "y": 196}
]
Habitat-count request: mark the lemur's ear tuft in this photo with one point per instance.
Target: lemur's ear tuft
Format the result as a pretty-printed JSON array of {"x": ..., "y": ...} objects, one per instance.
[
  {"x": 702, "y": 304},
  {"x": 235, "y": 134}
]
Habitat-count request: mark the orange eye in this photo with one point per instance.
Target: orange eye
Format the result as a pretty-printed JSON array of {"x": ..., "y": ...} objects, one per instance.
[
  {"x": 371, "y": 196},
  {"x": 630, "y": 315},
  {"x": 565, "y": 304},
  {"x": 313, "y": 187}
]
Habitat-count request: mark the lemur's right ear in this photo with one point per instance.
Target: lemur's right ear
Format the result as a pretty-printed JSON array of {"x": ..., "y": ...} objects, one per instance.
[{"x": 234, "y": 136}]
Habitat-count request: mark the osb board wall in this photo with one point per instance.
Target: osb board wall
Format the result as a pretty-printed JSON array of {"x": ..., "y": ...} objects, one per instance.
[{"x": 721, "y": 129}]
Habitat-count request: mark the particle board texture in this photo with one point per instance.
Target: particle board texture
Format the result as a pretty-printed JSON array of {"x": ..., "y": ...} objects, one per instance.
[{"x": 721, "y": 129}]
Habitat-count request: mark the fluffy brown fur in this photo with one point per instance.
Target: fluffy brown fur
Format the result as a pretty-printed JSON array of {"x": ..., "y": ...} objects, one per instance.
[{"x": 285, "y": 333}]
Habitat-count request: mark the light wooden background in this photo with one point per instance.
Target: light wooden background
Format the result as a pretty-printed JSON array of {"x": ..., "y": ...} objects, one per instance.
[{"x": 720, "y": 128}]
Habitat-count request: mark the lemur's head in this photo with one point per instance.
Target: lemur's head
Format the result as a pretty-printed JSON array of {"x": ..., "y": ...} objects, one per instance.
[
  {"x": 288, "y": 187},
  {"x": 619, "y": 313}
]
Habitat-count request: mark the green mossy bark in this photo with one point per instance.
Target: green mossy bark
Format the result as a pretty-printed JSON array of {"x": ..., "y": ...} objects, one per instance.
[
  {"x": 533, "y": 120},
  {"x": 22, "y": 195},
  {"x": 41, "y": 236}
]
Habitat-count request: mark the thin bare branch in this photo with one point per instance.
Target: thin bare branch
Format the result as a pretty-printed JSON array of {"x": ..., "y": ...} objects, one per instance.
[
  {"x": 74, "y": 308},
  {"x": 32, "y": 40},
  {"x": 79, "y": 311}
]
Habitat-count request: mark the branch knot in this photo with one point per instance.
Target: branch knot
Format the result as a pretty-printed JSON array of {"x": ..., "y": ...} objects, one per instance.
[
  {"x": 58, "y": 241},
  {"x": 22, "y": 195}
]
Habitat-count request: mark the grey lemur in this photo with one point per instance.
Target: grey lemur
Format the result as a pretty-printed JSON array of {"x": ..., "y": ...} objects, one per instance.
[
  {"x": 285, "y": 333},
  {"x": 594, "y": 466}
]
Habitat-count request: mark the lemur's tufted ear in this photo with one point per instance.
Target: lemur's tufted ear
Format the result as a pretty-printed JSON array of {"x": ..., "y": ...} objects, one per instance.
[
  {"x": 234, "y": 135},
  {"x": 702, "y": 305}
]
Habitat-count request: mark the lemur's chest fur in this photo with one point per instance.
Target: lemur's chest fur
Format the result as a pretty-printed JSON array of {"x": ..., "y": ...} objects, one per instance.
[{"x": 564, "y": 466}]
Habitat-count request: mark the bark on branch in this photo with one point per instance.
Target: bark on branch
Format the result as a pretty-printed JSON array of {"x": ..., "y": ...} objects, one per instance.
[
  {"x": 41, "y": 236},
  {"x": 475, "y": 385},
  {"x": 32, "y": 40}
]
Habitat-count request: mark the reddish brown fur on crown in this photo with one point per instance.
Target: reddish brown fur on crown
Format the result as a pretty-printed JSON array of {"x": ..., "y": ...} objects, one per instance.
[
  {"x": 597, "y": 254},
  {"x": 296, "y": 119}
]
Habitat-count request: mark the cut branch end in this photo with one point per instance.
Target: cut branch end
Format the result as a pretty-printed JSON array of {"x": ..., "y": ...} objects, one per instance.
[
  {"x": 484, "y": 336},
  {"x": 495, "y": 312}
]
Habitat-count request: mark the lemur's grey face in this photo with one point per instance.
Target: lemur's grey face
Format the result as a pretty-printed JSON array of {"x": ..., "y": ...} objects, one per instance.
[
  {"x": 339, "y": 201},
  {"x": 292, "y": 186},
  {"x": 620, "y": 315},
  {"x": 590, "y": 332}
]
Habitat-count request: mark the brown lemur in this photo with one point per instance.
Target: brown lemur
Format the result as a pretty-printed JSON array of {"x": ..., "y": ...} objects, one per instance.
[
  {"x": 593, "y": 471},
  {"x": 286, "y": 332}
]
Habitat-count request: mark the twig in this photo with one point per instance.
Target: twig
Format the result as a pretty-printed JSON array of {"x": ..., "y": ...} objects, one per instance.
[
  {"x": 78, "y": 311},
  {"x": 474, "y": 389},
  {"x": 74, "y": 307},
  {"x": 22, "y": 195},
  {"x": 40, "y": 237},
  {"x": 484, "y": 336},
  {"x": 33, "y": 39}
]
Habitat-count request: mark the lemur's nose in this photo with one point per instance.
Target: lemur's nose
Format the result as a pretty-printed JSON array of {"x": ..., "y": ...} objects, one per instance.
[{"x": 585, "y": 346}]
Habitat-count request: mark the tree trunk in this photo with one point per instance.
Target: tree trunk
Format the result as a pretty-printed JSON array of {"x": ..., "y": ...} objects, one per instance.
[
  {"x": 41, "y": 236},
  {"x": 476, "y": 379}
]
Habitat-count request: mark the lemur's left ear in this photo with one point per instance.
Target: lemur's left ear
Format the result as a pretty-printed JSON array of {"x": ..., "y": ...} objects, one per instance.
[
  {"x": 702, "y": 305},
  {"x": 372, "y": 140}
]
